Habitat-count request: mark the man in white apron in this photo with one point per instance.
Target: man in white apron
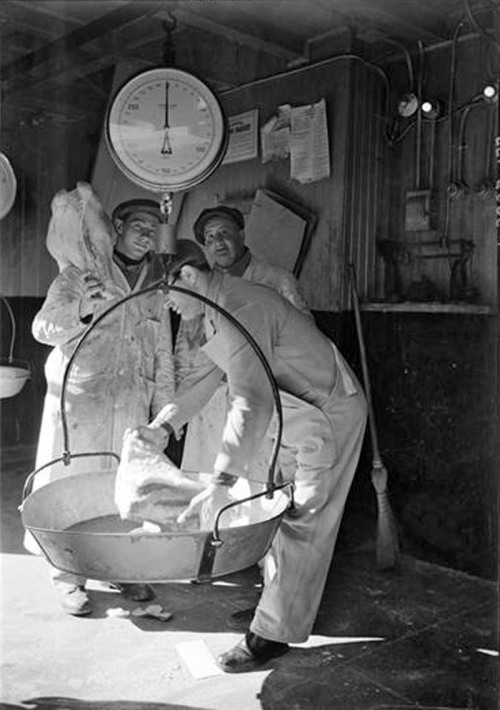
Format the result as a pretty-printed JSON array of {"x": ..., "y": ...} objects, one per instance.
[
  {"x": 123, "y": 373},
  {"x": 324, "y": 413}
]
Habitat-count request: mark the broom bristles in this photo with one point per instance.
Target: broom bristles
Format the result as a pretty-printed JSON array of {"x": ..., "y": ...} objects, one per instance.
[{"x": 387, "y": 545}]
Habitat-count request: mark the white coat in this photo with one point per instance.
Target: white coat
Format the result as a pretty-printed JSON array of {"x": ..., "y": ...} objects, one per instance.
[
  {"x": 324, "y": 413},
  {"x": 122, "y": 375},
  {"x": 205, "y": 429}
]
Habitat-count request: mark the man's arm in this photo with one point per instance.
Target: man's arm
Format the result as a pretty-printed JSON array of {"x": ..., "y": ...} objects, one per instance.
[
  {"x": 72, "y": 301},
  {"x": 164, "y": 385},
  {"x": 250, "y": 392},
  {"x": 197, "y": 387}
]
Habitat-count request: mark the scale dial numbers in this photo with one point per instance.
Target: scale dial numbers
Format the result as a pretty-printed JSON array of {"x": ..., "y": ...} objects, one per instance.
[{"x": 165, "y": 129}]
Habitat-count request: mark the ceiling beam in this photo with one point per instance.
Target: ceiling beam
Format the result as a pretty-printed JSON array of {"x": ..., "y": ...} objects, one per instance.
[
  {"x": 28, "y": 20},
  {"x": 62, "y": 54},
  {"x": 395, "y": 23},
  {"x": 200, "y": 22}
]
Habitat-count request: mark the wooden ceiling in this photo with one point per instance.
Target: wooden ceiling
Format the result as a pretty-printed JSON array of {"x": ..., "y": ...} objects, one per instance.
[{"x": 64, "y": 51}]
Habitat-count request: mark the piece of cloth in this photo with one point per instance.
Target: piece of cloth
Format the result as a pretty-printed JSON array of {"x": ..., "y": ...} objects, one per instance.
[
  {"x": 324, "y": 412},
  {"x": 205, "y": 430},
  {"x": 148, "y": 486}
]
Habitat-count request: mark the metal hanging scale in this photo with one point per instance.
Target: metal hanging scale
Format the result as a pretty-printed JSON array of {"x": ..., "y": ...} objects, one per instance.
[{"x": 166, "y": 131}]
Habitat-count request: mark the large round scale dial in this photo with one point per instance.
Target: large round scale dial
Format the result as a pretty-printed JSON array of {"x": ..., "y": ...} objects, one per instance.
[
  {"x": 165, "y": 130},
  {"x": 8, "y": 186}
]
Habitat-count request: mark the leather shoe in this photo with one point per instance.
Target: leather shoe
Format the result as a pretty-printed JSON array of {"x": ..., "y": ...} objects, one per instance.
[
  {"x": 241, "y": 620},
  {"x": 135, "y": 592},
  {"x": 75, "y": 601},
  {"x": 250, "y": 653}
]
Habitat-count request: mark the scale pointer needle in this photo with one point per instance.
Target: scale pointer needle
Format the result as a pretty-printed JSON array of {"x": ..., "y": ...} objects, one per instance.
[{"x": 166, "y": 148}]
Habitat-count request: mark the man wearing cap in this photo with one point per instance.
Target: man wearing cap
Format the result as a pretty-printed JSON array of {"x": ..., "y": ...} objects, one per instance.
[
  {"x": 221, "y": 231},
  {"x": 324, "y": 417},
  {"x": 123, "y": 372}
]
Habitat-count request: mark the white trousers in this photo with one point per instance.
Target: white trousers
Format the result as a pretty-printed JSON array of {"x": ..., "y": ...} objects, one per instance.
[{"x": 324, "y": 447}]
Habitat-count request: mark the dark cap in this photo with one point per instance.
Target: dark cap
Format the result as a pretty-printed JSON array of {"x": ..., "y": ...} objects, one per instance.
[
  {"x": 219, "y": 211},
  {"x": 188, "y": 253},
  {"x": 124, "y": 209}
]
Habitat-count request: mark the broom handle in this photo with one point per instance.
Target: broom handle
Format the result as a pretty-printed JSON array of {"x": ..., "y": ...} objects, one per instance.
[{"x": 377, "y": 461}]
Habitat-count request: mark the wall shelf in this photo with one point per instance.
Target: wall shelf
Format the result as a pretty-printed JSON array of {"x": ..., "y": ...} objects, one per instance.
[{"x": 431, "y": 307}]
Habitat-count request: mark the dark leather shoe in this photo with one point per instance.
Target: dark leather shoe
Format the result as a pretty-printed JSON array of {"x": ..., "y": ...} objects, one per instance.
[
  {"x": 135, "y": 592},
  {"x": 250, "y": 653},
  {"x": 241, "y": 620},
  {"x": 75, "y": 601}
]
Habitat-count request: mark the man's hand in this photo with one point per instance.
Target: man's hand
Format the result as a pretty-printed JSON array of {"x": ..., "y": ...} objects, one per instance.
[
  {"x": 94, "y": 292},
  {"x": 155, "y": 436},
  {"x": 207, "y": 504}
]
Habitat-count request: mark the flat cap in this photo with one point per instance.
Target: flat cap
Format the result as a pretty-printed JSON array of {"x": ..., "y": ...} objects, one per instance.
[
  {"x": 124, "y": 209},
  {"x": 219, "y": 211}
]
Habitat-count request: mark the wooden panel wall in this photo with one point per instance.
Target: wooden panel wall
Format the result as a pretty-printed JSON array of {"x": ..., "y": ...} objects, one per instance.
[
  {"x": 471, "y": 213},
  {"x": 48, "y": 153}
]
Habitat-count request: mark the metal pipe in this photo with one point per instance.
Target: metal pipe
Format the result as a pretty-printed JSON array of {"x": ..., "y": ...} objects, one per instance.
[
  {"x": 418, "y": 149},
  {"x": 451, "y": 91}
]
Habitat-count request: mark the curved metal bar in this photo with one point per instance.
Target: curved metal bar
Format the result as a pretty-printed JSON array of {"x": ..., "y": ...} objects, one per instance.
[
  {"x": 215, "y": 534},
  {"x": 29, "y": 480},
  {"x": 13, "y": 326},
  {"x": 161, "y": 284}
]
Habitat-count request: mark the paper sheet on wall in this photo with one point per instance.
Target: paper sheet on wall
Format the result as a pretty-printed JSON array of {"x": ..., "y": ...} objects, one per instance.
[
  {"x": 275, "y": 135},
  {"x": 273, "y": 232},
  {"x": 309, "y": 150},
  {"x": 243, "y": 143}
]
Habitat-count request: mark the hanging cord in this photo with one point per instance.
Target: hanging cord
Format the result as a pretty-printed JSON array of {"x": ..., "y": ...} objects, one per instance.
[
  {"x": 13, "y": 327},
  {"x": 409, "y": 65}
]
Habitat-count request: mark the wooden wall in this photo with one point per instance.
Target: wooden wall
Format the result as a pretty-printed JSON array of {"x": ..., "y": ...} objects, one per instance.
[
  {"x": 468, "y": 138},
  {"x": 48, "y": 153}
]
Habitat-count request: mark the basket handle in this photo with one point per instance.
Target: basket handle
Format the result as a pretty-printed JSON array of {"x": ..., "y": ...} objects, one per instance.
[
  {"x": 65, "y": 458},
  {"x": 162, "y": 284}
]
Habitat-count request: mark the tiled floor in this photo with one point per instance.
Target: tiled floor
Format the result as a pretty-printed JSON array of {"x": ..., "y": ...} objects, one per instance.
[{"x": 419, "y": 637}]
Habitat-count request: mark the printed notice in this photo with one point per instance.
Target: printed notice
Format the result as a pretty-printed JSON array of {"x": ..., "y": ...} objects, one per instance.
[
  {"x": 275, "y": 135},
  {"x": 309, "y": 150},
  {"x": 242, "y": 137}
]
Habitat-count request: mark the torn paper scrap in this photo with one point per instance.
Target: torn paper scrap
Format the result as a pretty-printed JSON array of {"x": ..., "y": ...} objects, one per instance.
[
  {"x": 155, "y": 611},
  {"x": 198, "y": 659}
]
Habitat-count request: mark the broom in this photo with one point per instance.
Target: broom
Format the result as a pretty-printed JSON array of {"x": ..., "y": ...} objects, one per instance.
[{"x": 387, "y": 545}]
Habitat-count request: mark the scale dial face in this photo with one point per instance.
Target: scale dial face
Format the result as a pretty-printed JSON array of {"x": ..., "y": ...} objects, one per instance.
[
  {"x": 8, "y": 186},
  {"x": 165, "y": 130}
]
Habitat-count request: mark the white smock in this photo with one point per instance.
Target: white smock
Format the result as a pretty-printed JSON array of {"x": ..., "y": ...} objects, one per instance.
[
  {"x": 123, "y": 373},
  {"x": 324, "y": 412},
  {"x": 204, "y": 432}
]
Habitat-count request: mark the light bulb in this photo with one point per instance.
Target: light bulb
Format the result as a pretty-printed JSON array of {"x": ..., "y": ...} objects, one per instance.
[
  {"x": 490, "y": 93},
  {"x": 430, "y": 108}
]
